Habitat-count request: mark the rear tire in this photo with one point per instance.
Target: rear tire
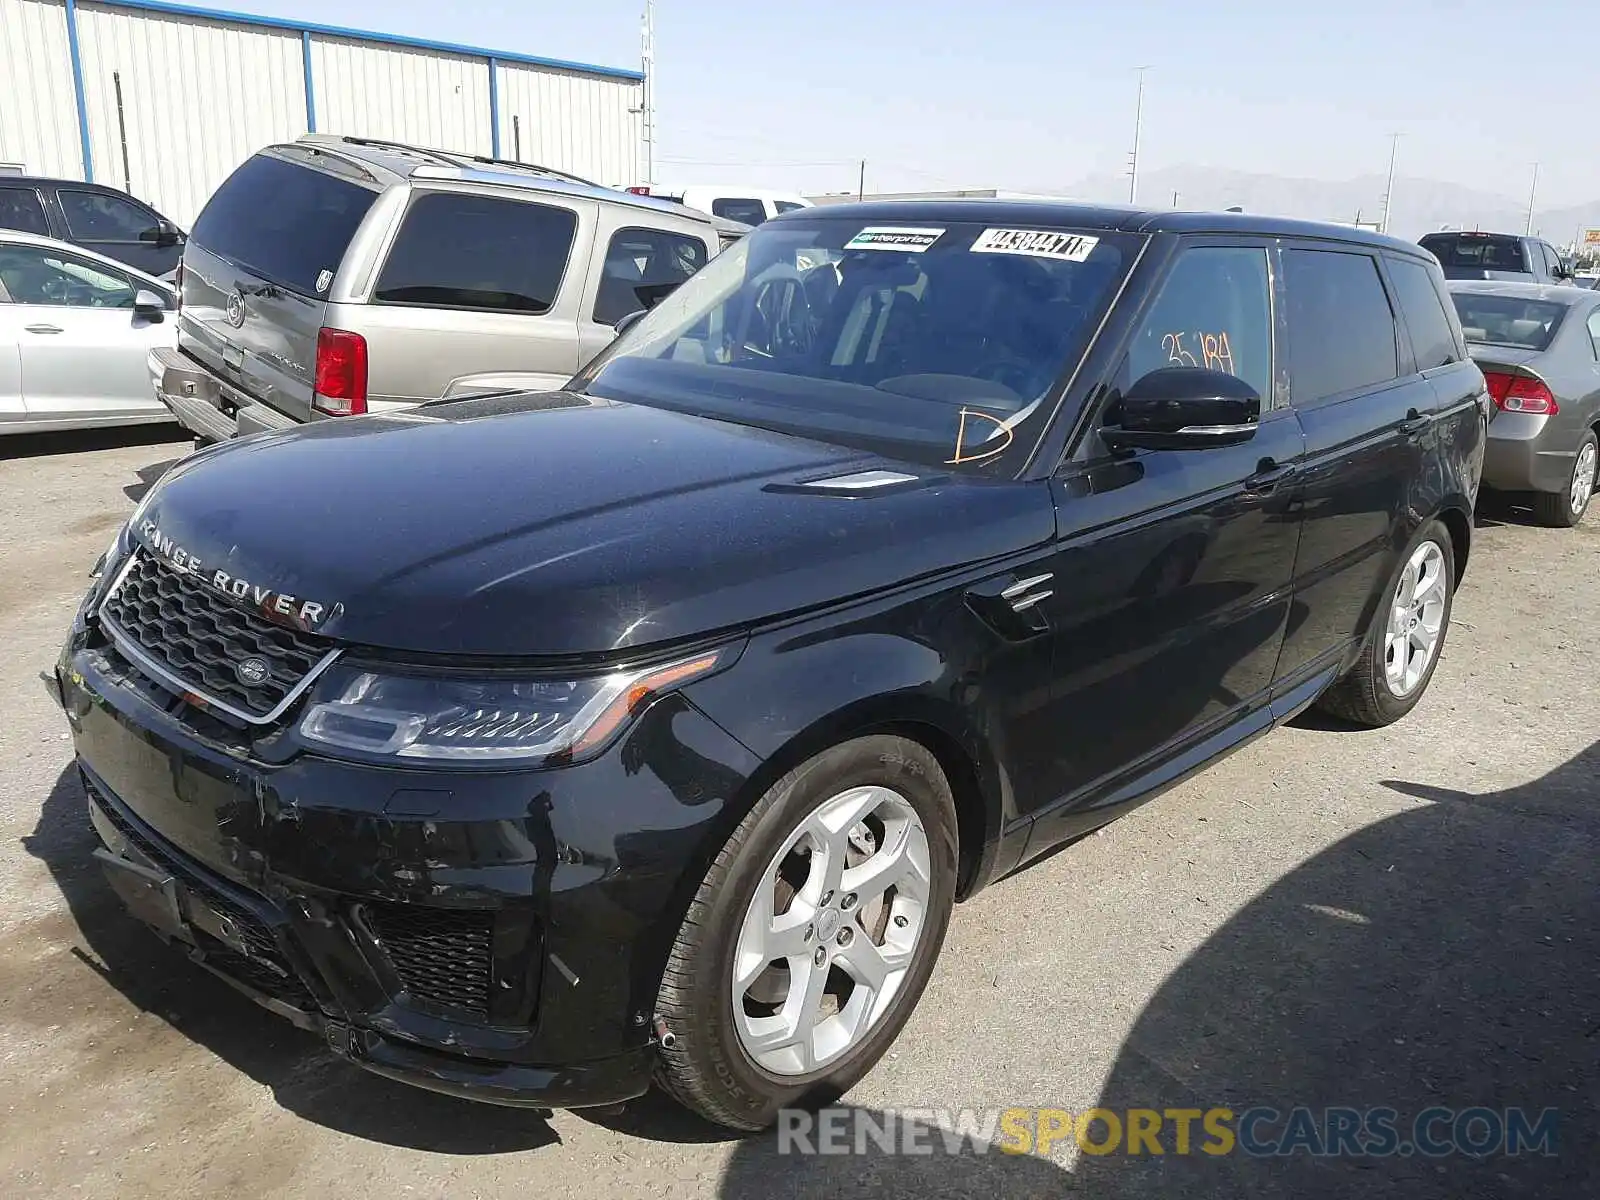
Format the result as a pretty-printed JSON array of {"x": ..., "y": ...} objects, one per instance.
[
  {"x": 884, "y": 795},
  {"x": 1388, "y": 679},
  {"x": 1563, "y": 510}
]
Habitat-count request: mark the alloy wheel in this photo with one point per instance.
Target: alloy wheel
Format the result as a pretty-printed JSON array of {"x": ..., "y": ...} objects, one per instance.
[
  {"x": 1416, "y": 619},
  {"x": 831, "y": 932},
  {"x": 1583, "y": 478}
]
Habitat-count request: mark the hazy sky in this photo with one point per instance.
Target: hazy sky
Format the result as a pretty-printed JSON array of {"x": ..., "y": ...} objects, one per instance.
[{"x": 1029, "y": 94}]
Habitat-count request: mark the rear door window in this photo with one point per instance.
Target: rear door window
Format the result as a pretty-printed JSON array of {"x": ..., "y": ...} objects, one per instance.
[
  {"x": 1341, "y": 328},
  {"x": 20, "y": 208},
  {"x": 1213, "y": 311},
  {"x": 737, "y": 208},
  {"x": 1433, "y": 339},
  {"x": 284, "y": 222},
  {"x": 478, "y": 252},
  {"x": 641, "y": 267},
  {"x": 99, "y": 217}
]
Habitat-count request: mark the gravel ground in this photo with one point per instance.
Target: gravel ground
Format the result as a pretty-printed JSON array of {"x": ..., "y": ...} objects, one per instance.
[{"x": 1397, "y": 918}]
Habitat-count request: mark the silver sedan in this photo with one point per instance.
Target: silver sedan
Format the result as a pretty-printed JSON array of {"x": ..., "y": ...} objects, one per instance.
[
  {"x": 75, "y": 330},
  {"x": 1539, "y": 349}
]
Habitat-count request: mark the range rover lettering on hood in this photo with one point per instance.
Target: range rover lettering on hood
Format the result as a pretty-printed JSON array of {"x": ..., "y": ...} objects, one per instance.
[{"x": 305, "y": 614}]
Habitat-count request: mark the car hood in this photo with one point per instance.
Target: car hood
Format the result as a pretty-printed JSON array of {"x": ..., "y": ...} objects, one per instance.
[{"x": 560, "y": 525}]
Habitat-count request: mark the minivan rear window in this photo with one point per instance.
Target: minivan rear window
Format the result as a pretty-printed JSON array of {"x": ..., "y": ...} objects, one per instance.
[
  {"x": 284, "y": 222},
  {"x": 1488, "y": 252}
]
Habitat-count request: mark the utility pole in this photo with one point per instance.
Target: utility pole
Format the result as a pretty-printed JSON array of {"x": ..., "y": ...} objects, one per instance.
[
  {"x": 647, "y": 99},
  {"x": 1174, "y": 199},
  {"x": 1533, "y": 191},
  {"x": 1138, "y": 129},
  {"x": 1388, "y": 188},
  {"x": 861, "y": 181}
]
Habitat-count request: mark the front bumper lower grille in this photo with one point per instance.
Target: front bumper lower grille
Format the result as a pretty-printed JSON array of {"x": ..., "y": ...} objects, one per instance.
[
  {"x": 441, "y": 956},
  {"x": 190, "y": 638}
]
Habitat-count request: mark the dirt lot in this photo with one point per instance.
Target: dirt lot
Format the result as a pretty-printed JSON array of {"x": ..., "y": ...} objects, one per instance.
[{"x": 1399, "y": 918}]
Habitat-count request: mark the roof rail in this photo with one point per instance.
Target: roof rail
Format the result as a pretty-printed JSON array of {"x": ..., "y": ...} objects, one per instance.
[{"x": 454, "y": 158}]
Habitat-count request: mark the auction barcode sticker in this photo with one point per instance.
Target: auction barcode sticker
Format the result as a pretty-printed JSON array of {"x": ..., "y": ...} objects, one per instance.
[
  {"x": 894, "y": 237},
  {"x": 1040, "y": 243}
]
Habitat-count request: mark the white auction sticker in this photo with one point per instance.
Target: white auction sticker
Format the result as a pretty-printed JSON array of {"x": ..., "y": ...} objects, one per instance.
[
  {"x": 894, "y": 237},
  {"x": 1040, "y": 243}
]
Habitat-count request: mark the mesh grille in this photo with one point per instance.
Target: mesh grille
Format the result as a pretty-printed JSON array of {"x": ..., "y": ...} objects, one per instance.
[
  {"x": 200, "y": 637},
  {"x": 441, "y": 955},
  {"x": 264, "y": 968}
]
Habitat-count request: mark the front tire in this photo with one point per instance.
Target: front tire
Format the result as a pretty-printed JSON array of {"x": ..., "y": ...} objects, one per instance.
[
  {"x": 1406, "y": 639},
  {"x": 1563, "y": 510},
  {"x": 813, "y": 934}
]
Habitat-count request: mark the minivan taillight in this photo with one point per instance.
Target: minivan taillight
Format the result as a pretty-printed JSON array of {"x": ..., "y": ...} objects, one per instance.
[
  {"x": 1521, "y": 393},
  {"x": 341, "y": 386}
]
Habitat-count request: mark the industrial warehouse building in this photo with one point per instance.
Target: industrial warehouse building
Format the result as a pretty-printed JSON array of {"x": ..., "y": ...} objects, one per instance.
[{"x": 164, "y": 100}]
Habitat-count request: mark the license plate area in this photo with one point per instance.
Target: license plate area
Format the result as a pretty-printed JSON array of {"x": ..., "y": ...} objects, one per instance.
[{"x": 149, "y": 893}]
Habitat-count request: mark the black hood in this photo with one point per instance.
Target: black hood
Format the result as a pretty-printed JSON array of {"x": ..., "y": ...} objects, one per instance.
[{"x": 557, "y": 525}]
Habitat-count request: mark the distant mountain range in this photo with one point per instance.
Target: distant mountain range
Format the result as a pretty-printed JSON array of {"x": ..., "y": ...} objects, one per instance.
[{"x": 1420, "y": 205}]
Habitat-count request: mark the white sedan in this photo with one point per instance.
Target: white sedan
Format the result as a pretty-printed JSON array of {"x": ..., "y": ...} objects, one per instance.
[{"x": 75, "y": 331}]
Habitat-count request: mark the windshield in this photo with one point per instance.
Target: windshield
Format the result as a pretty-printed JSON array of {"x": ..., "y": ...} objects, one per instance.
[
  {"x": 1508, "y": 320},
  {"x": 1476, "y": 251},
  {"x": 939, "y": 342}
]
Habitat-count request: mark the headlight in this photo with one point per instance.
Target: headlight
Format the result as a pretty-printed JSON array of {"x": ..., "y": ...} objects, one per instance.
[{"x": 390, "y": 714}]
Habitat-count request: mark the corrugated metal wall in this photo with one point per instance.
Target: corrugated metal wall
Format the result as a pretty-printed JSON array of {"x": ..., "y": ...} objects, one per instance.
[
  {"x": 198, "y": 97},
  {"x": 576, "y": 123},
  {"x": 38, "y": 115},
  {"x": 418, "y": 96},
  {"x": 201, "y": 92}
]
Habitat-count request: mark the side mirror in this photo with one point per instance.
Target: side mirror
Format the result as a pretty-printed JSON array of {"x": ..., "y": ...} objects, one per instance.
[
  {"x": 1184, "y": 408},
  {"x": 628, "y": 322},
  {"x": 150, "y": 306},
  {"x": 163, "y": 233}
]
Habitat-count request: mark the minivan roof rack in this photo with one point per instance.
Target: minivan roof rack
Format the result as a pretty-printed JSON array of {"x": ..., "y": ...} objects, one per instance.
[{"x": 452, "y": 158}]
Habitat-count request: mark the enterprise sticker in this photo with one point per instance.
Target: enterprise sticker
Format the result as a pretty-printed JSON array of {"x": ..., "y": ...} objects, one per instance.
[
  {"x": 894, "y": 237},
  {"x": 1040, "y": 243}
]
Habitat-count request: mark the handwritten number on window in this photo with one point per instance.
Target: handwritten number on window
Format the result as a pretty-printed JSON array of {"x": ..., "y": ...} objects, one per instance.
[{"x": 1216, "y": 354}]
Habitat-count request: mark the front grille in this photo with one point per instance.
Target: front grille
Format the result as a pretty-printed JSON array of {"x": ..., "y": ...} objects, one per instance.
[
  {"x": 264, "y": 967},
  {"x": 199, "y": 637},
  {"x": 441, "y": 955}
]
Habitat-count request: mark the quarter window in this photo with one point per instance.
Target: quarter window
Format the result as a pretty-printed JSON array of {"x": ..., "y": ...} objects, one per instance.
[
  {"x": 20, "y": 209},
  {"x": 1213, "y": 311},
  {"x": 479, "y": 252},
  {"x": 1432, "y": 337},
  {"x": 1594, "y": 332},
  {"x": 98, "y": 217},
  {"x": 642, "y": 266},
  {"x": 736, "y": 208},
  {"x": 1341, "y": 328}
]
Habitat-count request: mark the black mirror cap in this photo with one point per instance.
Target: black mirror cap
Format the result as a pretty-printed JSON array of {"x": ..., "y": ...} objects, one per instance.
[
  {"x": 1185, "y": 408},
  {"x": 629, "y": 321}
]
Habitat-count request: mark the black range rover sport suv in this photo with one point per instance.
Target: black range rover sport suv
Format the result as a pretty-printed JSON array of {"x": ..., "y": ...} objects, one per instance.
[{"x": 532, "y": 747}]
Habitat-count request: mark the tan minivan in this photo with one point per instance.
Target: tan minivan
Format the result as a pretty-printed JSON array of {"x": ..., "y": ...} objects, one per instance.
[{"x": 333, "y": 276}]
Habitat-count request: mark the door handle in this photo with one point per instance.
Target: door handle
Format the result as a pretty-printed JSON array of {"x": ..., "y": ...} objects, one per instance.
[
  {"x": 1269, "y": 474},
  {"x": 43, "y": 328},
  {"x": 1414, "y": 423}
]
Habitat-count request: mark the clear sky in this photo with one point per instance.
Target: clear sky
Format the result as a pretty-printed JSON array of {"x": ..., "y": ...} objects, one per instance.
[{"x": 1029, "y": 94}]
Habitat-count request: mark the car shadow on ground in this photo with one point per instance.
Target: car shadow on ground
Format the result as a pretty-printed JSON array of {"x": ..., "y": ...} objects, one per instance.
[
  {"x": 1448, "y": 956},
  {"x": 79, "y": 441},
  {"x": 304, "y": 1076},
  {"x": 148, "y": 478}
]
